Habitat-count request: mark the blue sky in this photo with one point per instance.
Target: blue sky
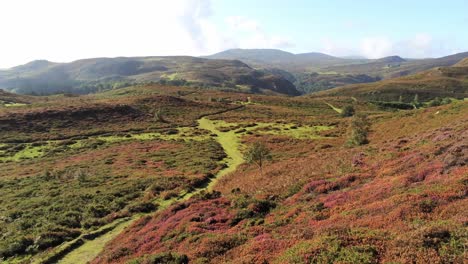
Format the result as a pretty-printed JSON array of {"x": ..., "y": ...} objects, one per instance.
[
  {"x": 311, "y": 25},
  {"x": 62, "y": 31}
]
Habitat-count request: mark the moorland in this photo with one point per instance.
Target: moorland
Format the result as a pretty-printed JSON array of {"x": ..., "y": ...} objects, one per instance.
[{"x": 218, "y": 160}]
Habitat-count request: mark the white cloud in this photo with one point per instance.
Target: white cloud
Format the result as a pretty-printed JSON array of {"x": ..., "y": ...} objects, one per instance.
[
  {"x": 252, "y": 35},
  {"x": 420, "y": 45},
  {"x": 239, "y": 23},
  {"x": 332, "y": 47},
  {"x": 376, "y": 47}
]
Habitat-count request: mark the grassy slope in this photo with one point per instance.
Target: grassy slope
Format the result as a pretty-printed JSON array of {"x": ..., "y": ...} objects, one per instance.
[
  {"x": 332, "y": 204},
  {"x": 316, "y": 201},
  {"x": 57, "y": 189},
  {"x": 91, "y": 75},
  {"x": 437, "y": 82}
]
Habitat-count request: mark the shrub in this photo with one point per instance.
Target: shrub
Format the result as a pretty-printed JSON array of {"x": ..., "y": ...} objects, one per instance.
[
  {"x": 12, "y": 248},
  {"x": 98, "y": 211},
  {"x": 54, "y": 237},
  {"x": 143, "y": 207},
  {"x": 436, "y": 102},
  {"x": 118, "y": 253},
  {"x": 358, "y": 131},
  {"x": 250, "y": 208},
  {"x": 220, "y": 244},
  {"x": 166, "y": 257},
  {"x": 348, "y": 111},
  {"x": 427, "y": 206}
]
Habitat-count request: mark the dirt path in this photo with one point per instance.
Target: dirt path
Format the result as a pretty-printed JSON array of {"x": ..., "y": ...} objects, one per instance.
[{"x": 89, "y": 249}]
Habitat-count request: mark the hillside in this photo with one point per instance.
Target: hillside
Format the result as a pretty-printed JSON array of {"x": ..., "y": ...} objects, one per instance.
[
  {"x": 317, "y": 71},
  {"x": 271, "y": 58},
  {"x": 390, "y": 59},
  {"x": 391, "y": 67},
  {"x": 462, "y": 63},
  {"x": 90, "y": 75},
  {"x": 159, "y": 174},
  {"x": 7, "y": 98},
  {"x": 399, "y": 199},
  {"x": 438, "y": 82}
]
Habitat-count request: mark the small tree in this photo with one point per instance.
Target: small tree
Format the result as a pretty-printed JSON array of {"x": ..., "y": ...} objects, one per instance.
[
  {"x": 358, "y": 131},
  {"x": 347, "y": 111},
  {"x": 258, "y": 154}
]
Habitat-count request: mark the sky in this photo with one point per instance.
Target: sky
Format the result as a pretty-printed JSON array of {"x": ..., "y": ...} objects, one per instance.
[{"x": 67, "y": 30}]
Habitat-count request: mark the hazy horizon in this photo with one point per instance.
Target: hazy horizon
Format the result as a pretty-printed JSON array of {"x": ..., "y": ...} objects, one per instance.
[{"x": 62, "y": 31}]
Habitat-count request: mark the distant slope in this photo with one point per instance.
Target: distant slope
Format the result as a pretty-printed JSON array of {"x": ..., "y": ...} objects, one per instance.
[
  {"x": 11, "y": 98},
  {"x": 90, "y": 75},
  {"x": 317, "y": 71},
  {"x": 273, "y": 58},
  {"x": 391, "y": 59},
  {"x": 254, "y": 56},
  {"x": 462, "y": 63},
  {"x": 437, "y": 82},
  {"x": 394, "y": 66}
]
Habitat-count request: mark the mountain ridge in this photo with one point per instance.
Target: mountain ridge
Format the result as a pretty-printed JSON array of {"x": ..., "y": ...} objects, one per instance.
[{"x": 89, "y": 75}]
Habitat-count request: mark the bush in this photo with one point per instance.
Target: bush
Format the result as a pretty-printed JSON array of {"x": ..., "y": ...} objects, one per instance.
[
  {"x": 166, "y": 257},
  {"x": 358, "y": 131},
  {"x": 55, "y": 237},
  {"x": 12, "y": 248},
  {"x": 98, "y": 211},
  {"x": 219, "y": 244},
  {"x": 348, "y": 111},
  {"x": 250, "y": 208},
  {"x": 144, "y": 207}
]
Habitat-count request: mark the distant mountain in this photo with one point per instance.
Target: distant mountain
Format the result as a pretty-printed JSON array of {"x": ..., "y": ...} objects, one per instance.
[
  {"x": 90, "y": 75},
  {"x": 395, "y": 66},
  {"x": 301, "y": 68},
  {"x": 390, "y": 59},
  {"x": 317, "y": 71},
  {"x": 266, "y": 58},
  {"x": 437, "y": 82},
  {"x": 254, "y": 56}
]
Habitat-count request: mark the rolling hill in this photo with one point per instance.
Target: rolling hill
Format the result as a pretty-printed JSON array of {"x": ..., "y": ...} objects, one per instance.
[
  {"x": 437, "y": 82},
  {"x": 394, "y": 66},
  {"x": 273, "y": 58},
  {"x": 90, "y": 75},
  {"x": 317, "y": 71},
  {"x": 462, "y": 63}
]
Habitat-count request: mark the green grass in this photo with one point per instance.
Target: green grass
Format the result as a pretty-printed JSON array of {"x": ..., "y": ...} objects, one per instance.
[
  {"x": 230, "y": 142},
  {"x": 338, "y": 110},
  {"x": 270, "y": 128},
  {"x": 91, "y": 248},
  {"x": 12, "y": 104},
  {"x": 29, "y": 152},
  {"x": 291, "y": 130},
  {"x": 32, "y": 152}
]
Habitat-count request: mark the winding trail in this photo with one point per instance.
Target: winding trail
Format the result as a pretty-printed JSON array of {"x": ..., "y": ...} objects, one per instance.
[
  {"x": 86, "y": 250},
  {"x": 338, "y": 110}
]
